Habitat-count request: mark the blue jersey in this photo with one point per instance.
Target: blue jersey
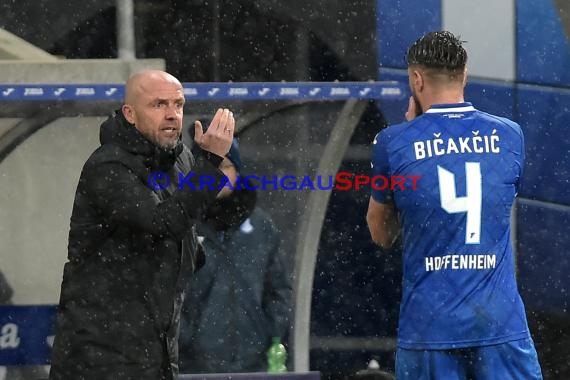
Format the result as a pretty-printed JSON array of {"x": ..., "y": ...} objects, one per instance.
[{"x": 453, "y": 174}]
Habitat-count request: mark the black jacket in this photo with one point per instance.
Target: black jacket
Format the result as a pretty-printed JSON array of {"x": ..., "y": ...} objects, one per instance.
[
  {"x": 241, "y": 298},
  {"x": 131, "y": 250}
]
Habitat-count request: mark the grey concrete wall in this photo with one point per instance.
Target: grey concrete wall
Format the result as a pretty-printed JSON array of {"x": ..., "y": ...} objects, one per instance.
[
  {"x": 488, "y": 26},
  {"x": 14, "y": 47},
  {"x": 6, "y": 124},
  {"x": 79, "y": 71},
  {"x": 38, "y": 182}
]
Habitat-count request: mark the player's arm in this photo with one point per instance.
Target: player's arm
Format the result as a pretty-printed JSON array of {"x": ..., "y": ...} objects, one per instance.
[
  {"x": 383, "y": 223},
  {"x": 382, "y": 217}
]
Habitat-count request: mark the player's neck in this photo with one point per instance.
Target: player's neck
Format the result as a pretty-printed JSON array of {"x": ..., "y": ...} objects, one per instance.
[{"x": 442, "y": 97}]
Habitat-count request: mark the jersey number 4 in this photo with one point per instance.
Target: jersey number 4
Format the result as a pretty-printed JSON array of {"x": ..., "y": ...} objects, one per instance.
[{"x": 470, "y": 203}]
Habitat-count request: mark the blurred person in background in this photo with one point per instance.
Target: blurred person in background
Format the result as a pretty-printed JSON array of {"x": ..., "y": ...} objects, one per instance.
[
  {"x": 132, "y": 241},
  {"x": 241, "y": 298},
  {"x": 461, "y": 313}
]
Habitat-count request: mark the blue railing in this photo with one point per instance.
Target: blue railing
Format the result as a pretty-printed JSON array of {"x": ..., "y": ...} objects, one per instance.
[{"x": 213, "y": 91}]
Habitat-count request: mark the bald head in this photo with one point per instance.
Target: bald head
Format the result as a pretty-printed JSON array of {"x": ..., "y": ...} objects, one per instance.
[
  {"x": 144, "y": 81},
  {"x": 154, "y": 102}
]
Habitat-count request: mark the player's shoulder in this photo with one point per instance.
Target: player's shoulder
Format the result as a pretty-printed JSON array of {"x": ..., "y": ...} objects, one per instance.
[
  {"x": 392, "y": 132},
  {"x": 500, "y": 122}
]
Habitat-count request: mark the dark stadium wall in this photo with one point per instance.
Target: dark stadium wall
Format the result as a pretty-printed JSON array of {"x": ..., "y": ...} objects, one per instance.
[{"x": 543, "y": 42}]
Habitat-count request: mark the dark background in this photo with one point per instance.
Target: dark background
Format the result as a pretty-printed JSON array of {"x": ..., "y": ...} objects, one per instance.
[{"x": 217, "y": 40}]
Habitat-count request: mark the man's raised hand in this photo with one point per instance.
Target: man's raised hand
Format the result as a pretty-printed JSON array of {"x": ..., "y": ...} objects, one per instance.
[{"x": 219, "y": 135}]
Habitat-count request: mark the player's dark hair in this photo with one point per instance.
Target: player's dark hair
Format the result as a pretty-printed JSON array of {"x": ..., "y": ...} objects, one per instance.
[{"x": 438, "y": 50}]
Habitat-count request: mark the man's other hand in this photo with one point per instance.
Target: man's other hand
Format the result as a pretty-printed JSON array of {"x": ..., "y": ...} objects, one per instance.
[{"x": 413, "y": 110}]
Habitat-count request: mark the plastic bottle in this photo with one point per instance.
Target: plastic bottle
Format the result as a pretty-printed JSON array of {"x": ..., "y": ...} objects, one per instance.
[{"x": 276, "y": 356}]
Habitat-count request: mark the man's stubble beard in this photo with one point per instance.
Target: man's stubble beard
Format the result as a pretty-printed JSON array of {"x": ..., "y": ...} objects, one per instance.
[{"x": 169, "y": 145}]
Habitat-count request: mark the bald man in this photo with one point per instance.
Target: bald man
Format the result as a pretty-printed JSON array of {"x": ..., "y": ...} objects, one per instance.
[{"x": 132, "y": 240}]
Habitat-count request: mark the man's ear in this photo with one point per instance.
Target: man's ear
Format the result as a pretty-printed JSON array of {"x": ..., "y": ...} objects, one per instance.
[
  {"x": 417, "y": 80},
  {"x": 465, "y": 77},
  {"x": 128, "y": 113}
]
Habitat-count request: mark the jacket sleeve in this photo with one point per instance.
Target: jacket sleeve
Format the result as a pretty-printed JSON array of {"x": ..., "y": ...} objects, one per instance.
[
  {"x": 122, "y": 197},
  {"x": 277, "y": 292}
]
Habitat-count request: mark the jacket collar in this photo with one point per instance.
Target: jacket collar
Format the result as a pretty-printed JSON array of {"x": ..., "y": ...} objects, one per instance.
[{"x": 451, "y": 107}]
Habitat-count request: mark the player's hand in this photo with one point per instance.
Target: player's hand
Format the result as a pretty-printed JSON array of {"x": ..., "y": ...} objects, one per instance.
[
  {"x": 219, "y": 135},
  {"x": 413, "y": 110}
]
